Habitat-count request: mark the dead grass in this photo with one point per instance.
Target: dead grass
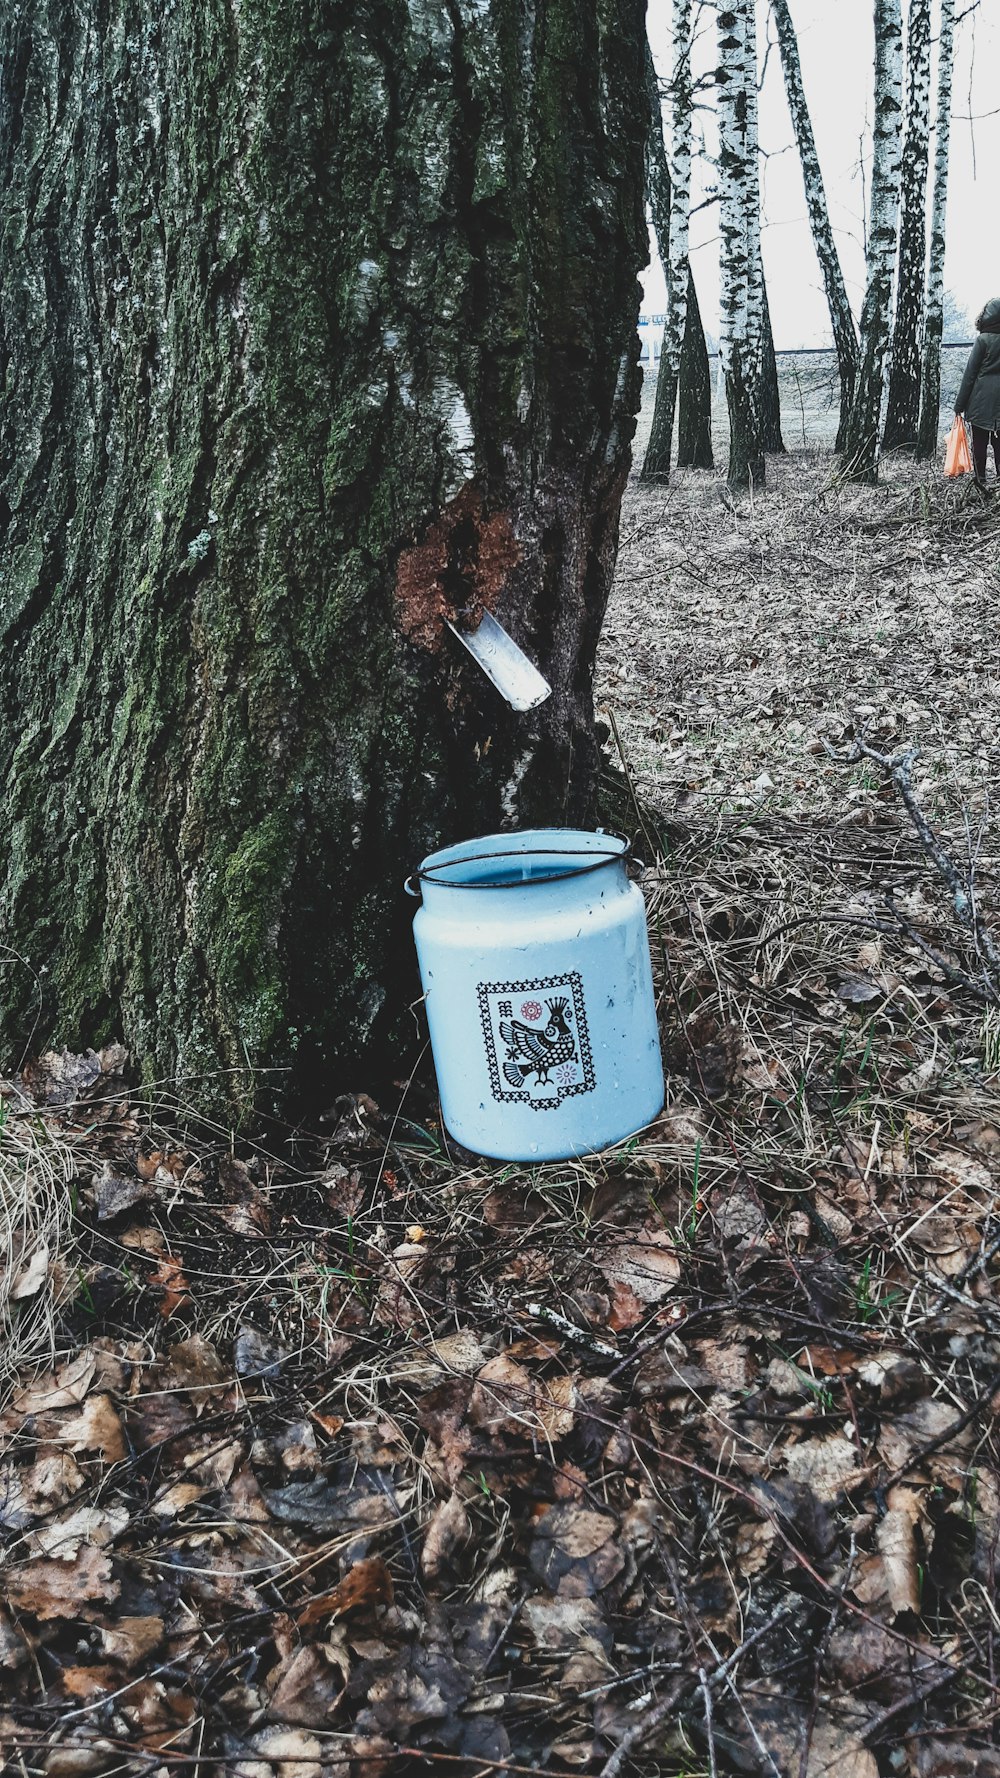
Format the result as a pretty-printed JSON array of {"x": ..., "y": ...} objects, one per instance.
[{"x": 37, "y": 1169}]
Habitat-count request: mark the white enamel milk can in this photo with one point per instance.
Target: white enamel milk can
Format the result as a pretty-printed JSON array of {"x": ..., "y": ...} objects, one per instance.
[{"x": 534, "y": 960}]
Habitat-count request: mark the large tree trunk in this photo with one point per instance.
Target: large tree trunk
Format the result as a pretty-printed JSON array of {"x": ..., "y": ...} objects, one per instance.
[
  {"x": 740, "y": 301},
  {"x": 694, "y": 397},
  {"x": 317, "y": 324},
  {"x": 903, "y": 406},
  {"x": 930, "y": 368},
  {"x": 861, "y": 439},
  {"x": 845, "y": 337}
]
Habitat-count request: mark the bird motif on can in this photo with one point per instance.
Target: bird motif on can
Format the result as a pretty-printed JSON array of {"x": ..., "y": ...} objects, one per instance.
[{"x": 537, "y": 1052}]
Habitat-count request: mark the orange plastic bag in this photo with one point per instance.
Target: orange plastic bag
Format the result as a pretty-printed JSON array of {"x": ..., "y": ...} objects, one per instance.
[{"x": 957, "y": 456}]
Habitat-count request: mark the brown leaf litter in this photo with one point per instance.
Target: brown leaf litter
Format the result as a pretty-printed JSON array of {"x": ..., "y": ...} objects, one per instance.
[{"x": 680, "y": 1458}]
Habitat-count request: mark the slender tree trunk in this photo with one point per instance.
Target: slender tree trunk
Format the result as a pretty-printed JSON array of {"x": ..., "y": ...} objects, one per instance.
[
  {"x": 739, "y": 305},
  {"x": 656, "y": 463},
  {"x": 930, "y": 369},
  {"x": 675, "y": 178},
  {"x": 861, "y": 441},
  {"x": 684, "y": 356},
  {"x": 694, "y": 404},
  {"x": 903, "y": 408},
  {"x": 770, "y": 393},
  {"x": 845, "y": 337},
  {"x": 316, "y": 326}
]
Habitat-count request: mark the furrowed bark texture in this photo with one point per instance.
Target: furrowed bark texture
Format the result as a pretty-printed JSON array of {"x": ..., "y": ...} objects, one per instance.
[
  {"x": 694, "y": 394},
  {"x": 903, "y": 406},
  {"x": 861, "y": 440},
  {"x": 930, "y": 366},
  {"x": 739, "y": 229},
  {"x": 845, "y": 337},
  {"x": 317, "y": 322}
]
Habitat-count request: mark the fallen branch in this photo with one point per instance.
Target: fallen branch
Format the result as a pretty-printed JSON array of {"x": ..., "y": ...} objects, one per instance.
[{"x": 963, "y": 893}]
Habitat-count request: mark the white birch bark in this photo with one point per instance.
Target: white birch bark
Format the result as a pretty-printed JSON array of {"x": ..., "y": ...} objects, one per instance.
[
  {"x": 903, "y": 407},
  {"x": 845, "y": 336},
  {"x": 656, "y": 464},
  {"x": 930, "y": 369},
  {"x": 861, "y": 442},
  {"x": 680, "y": 157},
  {"x": 755, "y": 269},
  {"x": 739, "y": 226},
  {"x": 670, "y": 213}
]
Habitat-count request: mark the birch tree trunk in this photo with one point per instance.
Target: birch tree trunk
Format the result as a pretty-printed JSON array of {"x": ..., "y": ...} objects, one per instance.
[
  {"x": 861, "y": 439},
  {"x": 903, "y": 409},
  {"x": 739, "y": 230},
  {"x": 845, "y": 337},
  {"x": 770, "y": 392},
  {"x": 930, "y": 368},
  {"x": 668, "y": 183},
  {"x": 317, "y": 324},
  {"x": 656, "y": 463},
  {"x": 694, "y": 404}
]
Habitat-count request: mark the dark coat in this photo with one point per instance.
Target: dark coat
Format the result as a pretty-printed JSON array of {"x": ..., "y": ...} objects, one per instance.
[{"x": 979, "y": 395}]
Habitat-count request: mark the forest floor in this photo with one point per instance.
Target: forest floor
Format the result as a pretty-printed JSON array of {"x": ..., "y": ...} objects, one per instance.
[{"x": 680, "y": 1459}]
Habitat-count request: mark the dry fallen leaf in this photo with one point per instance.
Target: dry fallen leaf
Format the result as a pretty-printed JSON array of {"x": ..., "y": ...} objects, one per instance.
[
  {"x": 65, "y": 1387},
  {"x": 826, "y": 1465},
  {"x": 308, "y": 1684},
  {"x": 503, "y": 1398},
  {"x": 97, "y": 1526},
  {"x": 649, "y": 1268},
  {"x": 462, "y": 1351},
  {"x": 365, "y": 1586},
  {"x": 555, "y": 1406},
  {"x": 169, "y": 1278},
  {"x": 31, "y": 1278},
  {"x": 894, "y": 1535},
  {"x": 449, "y": 1530},
  {"x": 47, "y": 1588},
  {"x": 96, "y": 1427},
  {"x": 289, "y": 1753},
  {"x": 129, "y": 1640}
]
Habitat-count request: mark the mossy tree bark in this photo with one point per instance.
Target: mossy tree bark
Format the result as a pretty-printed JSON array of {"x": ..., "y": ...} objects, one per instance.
[{"x": 317, "y": 323}]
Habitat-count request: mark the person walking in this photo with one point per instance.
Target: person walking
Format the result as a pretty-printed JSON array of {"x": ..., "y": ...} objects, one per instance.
[{"x": 978, "y": 398}]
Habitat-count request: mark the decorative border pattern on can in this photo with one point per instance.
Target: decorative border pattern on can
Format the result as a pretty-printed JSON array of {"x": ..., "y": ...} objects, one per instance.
[{"x": 536, "y": 1038}]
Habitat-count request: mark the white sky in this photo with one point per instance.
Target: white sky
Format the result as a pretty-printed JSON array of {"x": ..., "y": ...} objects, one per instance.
[{"x": 836, "y": 47}]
